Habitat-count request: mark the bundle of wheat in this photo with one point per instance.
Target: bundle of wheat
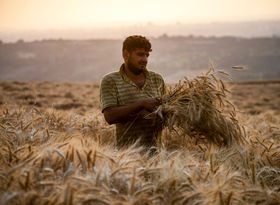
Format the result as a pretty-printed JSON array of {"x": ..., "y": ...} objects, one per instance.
[{"x": 200, "y": 108}]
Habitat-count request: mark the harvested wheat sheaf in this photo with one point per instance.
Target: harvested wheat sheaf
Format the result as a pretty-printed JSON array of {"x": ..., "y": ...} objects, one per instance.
[{"x": 199, "y": 108}]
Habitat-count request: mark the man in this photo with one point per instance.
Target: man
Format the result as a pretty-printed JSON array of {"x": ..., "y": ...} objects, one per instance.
[{"x": 129, "y": 95}]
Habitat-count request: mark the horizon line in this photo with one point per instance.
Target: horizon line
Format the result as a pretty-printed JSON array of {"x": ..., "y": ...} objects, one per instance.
[{"x": 162, "y": 36}]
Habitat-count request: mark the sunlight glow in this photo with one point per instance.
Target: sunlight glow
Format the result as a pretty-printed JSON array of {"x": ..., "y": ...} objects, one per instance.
[{"x": 42, "y": 14}]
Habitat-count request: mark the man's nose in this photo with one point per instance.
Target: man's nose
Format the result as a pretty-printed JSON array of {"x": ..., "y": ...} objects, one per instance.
[{"x": 145, "y": 58}]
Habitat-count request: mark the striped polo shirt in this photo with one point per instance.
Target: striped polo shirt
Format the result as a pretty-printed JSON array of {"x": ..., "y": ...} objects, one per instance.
[{"x": 117, "y": 89}]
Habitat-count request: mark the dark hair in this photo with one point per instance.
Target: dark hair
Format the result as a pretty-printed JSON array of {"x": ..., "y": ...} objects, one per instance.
[{"x": 136, "y": 41}]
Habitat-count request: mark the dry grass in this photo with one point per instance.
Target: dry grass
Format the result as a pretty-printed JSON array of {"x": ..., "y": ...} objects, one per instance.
[{"x": 56, "y": 157}]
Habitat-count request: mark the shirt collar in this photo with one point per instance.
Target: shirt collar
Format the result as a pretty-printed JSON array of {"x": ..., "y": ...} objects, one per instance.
[{"x": 126, "y": 78}]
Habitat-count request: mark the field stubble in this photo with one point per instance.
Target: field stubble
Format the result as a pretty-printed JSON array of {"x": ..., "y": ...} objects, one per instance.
[{"x": 57, "y": 149}]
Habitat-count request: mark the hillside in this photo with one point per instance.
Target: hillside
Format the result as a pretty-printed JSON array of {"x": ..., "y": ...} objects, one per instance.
[{"x": 173, "y": 57}]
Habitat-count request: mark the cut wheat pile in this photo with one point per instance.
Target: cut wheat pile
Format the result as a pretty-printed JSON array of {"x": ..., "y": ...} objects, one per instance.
[{"x": 200, "y": 108}]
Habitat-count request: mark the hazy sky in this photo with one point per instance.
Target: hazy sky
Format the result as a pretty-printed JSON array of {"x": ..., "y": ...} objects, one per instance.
[{"x": 39, "y": 14}]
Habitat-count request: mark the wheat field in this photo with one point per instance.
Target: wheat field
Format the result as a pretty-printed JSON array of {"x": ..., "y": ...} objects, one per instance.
[{"x": 57, "y": 149}]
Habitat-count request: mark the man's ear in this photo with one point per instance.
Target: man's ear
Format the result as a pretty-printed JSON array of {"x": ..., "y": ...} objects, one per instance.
[{"x": 125, "y": 54}]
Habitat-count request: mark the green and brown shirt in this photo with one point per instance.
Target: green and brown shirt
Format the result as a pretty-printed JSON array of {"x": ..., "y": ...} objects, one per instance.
[{"x": 117, "y": 89}]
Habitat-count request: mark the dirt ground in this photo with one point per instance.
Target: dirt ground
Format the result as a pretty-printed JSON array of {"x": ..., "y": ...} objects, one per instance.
[
  {"x": 83, "y": 98},
  {"x": 255, "y": 98}
]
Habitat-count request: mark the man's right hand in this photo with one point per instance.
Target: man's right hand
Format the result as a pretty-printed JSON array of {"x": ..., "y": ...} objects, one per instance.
[
  {"x": 123, "y": 113},
  {"x": 150, "y": 104}
]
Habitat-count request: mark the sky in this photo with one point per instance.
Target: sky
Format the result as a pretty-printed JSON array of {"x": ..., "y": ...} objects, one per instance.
[{"x": 65, "y": 14}]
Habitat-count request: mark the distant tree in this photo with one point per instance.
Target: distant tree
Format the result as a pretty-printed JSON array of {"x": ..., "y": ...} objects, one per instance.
[
  {"x": 190, "y": 37},
  {"x": 163, "y": 36},
  {"x": 212, "y": 38},
  {"x": 20, "y": 41}
]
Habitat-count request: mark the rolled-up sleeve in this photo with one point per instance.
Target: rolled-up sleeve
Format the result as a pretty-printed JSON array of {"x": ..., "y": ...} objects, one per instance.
[{"x": 108, "y": 93}]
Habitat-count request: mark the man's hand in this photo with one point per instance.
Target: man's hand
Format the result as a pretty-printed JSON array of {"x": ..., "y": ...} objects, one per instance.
[
  {"x": 150, "y": 104},
  {"x": 125, "y": 112}
]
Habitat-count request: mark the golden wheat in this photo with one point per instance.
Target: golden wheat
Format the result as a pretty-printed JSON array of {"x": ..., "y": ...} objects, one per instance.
[
  {"x": 52, "y": 157},
  {"x": 199, "y": 108}
]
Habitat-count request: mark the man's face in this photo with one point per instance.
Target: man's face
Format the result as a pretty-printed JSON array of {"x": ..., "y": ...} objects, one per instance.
[{"x": 137, "y": 60}]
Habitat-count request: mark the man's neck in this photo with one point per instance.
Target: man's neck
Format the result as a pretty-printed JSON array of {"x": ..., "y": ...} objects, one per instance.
[{"x": 139, "y": 80}]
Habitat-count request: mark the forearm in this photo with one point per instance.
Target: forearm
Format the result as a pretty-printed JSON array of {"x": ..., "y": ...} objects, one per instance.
[{"x": 122, "y": 113}]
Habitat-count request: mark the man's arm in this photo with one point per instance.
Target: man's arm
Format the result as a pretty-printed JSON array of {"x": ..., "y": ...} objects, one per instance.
[{"x": 124, "y": 113}]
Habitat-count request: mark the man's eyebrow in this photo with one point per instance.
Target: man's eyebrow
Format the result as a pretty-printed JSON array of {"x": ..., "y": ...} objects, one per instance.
[{"x": 145, "y": 53}]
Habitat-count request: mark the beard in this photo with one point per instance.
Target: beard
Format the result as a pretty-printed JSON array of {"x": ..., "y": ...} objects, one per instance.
[{"x": 134, "y": 69}]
